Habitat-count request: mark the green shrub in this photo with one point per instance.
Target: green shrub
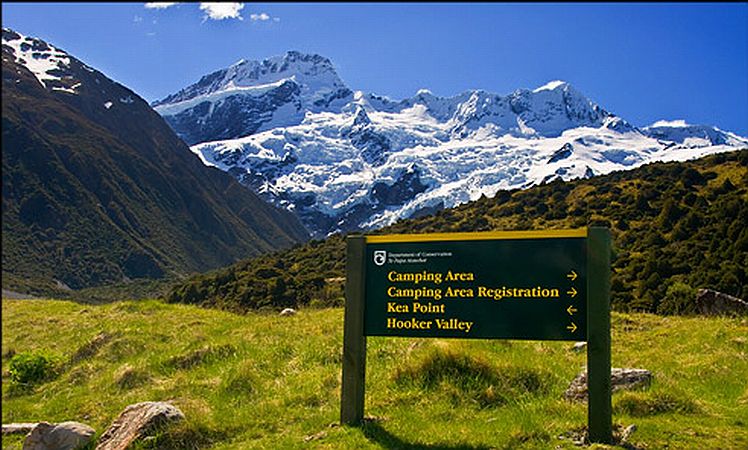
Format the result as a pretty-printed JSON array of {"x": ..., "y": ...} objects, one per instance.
[
  {"x": 679, "y": 299},
  {"x": 32, "y": 368}
]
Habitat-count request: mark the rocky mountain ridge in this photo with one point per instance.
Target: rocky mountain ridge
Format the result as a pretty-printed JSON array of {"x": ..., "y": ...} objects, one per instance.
[
  {"x": 290, "y": 129},
  {"x": 98, "y": 189}
]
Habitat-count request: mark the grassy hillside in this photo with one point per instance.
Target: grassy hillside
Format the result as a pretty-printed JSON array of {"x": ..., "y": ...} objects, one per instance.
[
  {"x": 259, "y": 381},
  {"x": 676, "y": 227}
]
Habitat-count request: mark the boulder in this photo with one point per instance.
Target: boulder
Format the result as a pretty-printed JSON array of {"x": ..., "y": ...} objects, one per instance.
[
  {"x": 714, "y": 303},
  {"x": 61, "y": 436},
  {"x": 288, "y": 312},
  {"x": 19, "y": 428},
  {"x": 579, "y": 346},
  {"x": 627, "y": 432},
  {"x": 136, "y": 422},
  {"x": 620, "y": 379}
]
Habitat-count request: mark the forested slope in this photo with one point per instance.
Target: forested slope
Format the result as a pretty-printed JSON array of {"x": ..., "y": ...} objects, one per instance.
[{"x": 676, "y": 227}]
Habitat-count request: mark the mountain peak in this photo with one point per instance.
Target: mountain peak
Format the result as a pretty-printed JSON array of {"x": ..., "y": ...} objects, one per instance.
[
  {"x": 295, "y": 55},
  {"x": 60, "y": 73},
  {"x": 45, "y": 61},
  {"x": 361, "y": 119},
  {"x": 292, "y": 61},
  {"x": 552, "y": 86},
  {"x": 256, "y": 95},
  {"x": 308, "y": 70},
  {"x": 681, "y": 132}
]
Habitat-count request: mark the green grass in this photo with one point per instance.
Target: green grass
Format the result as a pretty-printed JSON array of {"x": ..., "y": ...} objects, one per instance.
[{"x": 264, "y": 381}]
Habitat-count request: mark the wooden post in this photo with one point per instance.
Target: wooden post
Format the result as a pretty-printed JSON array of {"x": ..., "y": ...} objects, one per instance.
[
  {"x": 354, "y": 341},
  {"x": 599, "y": 409}
]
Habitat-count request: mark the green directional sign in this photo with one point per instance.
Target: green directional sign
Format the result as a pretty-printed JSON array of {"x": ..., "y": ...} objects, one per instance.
[
  {"x": 544, "y": 285},
  {"x": 513, "y": 285}
]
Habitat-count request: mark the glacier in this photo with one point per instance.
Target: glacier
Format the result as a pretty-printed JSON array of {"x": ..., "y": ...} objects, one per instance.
[{"x": 342, "y": 160}]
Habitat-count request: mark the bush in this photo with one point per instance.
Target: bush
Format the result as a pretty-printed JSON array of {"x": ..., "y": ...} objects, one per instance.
[
  {"x": 679, "y": 299},
  {"x": 32, "y": 368}
]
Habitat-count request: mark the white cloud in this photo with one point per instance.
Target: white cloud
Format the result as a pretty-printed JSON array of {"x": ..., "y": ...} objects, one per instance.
[
  {"x": 137, "y": 19},
  {"x": 261, "y": 16},
  {"x": 159, "y": 5},
  {"x": 221, "y": 11},
  {"x": 216, "y": 11}
]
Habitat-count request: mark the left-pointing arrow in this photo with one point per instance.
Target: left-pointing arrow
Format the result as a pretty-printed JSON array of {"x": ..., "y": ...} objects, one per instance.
[
  {"x": 571, "y": 310},
  {"x": 572, "y": 327},
  {"x": 572, "y": 292}
]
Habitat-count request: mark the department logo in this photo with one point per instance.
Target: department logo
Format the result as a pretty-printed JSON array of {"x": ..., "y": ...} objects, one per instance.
[{"x": 380, "y": 257}]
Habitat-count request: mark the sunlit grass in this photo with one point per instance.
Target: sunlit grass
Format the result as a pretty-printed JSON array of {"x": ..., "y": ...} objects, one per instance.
[{"x": 264, "y": 381}]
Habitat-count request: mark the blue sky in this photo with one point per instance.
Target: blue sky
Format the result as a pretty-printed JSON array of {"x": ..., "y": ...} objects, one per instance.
[{"x": 644, "y": 62}]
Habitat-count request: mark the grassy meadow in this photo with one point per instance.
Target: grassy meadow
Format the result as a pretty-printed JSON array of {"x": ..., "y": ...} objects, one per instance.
[{"x": 260, "y": 381}]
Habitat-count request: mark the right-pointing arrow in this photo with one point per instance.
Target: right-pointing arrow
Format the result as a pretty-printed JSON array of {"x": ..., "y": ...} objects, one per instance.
[
  {"x": 572, "y": 292},
  {"x": 572, "y": 327},
  {"x": 571, "y": 310},
  {"x": 572, "y": 276}
]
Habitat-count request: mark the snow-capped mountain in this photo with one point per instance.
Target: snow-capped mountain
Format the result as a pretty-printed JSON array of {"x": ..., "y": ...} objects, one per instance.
[
  {"x": 253, "y": 96},
  {"x": 346, "y": 160}
]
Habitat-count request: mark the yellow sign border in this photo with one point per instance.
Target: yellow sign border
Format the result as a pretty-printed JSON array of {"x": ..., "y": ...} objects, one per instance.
[{"x": 476, "y": 236}]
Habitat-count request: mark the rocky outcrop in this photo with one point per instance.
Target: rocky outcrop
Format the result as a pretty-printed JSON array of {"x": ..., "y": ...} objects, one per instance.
[
  {"x": 373, "y": 145},
  {"x": 562, "y": 153},
  {"x": 136, "y": 422},
  {"x": 236, "y": 115},
  {"x": 61, "y": 436},
  {"x": 714, "y": 303},
  {"x": 407, "y": 186},
  {"x": 19, "y": 428},
  {"x": 252, "y": 96},
  {"x": 620, "y": 379}
]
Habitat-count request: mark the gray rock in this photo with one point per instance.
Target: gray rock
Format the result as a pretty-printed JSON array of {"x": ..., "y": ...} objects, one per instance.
[
  {"x": 714, "y": 303},
  {"x": 579, "y": 346},
  {"x": 17, "y": 295},
  {"x": 288, "y": 312},
  {"x": 627, "y": 432},
  {"x": 61, "y": 436},
  {"x": 620, "y": 379},
  {"x": 137, "y": 422},
  {"x": 19, "y": 428}
]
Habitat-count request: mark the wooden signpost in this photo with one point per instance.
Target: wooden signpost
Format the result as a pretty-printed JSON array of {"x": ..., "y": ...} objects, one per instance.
[{"x": 540, "y": 285}]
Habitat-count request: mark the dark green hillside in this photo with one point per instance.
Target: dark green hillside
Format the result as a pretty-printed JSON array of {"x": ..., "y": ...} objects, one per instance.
[
  {"x": 676, "y": 227},
  {"x": 95, "y": 194}
]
